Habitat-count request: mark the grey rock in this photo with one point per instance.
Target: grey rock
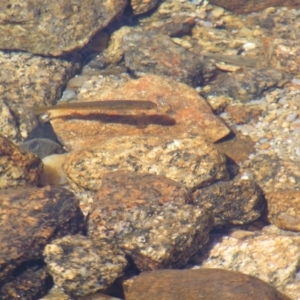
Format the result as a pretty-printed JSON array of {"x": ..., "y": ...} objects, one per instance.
[
  {"x": 42, "y": 147},
  {"x": 148, "y": 52},
  {"x": 42, "y": 130},
  {"x": 247, "y": 85}
]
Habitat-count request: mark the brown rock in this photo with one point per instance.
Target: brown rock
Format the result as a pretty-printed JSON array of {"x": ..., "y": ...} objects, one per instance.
[
  {"x": 82, "y": 267},
  {"x": 236, "y": 146},
  {"x": 242, "y": 114},
  {"x": 219, "y": 103},
  {"x": 17, "y": 167},
  {"x": 246, "y": 6},
  {"x": 149, "y": 52},
  {"x": 30, "y": 284},
  {"x": 43, "y": 27},
  {"x": 142, "y": 6},
  {"x": 284, "y": 208},
  {"x": 146, "y": 216},
  {"x": 30, "y": 218},
  {"x": 189, "y": 114},
  {"x": 213, "y": 284},
  {"x": 179, "y": 25},
  {"x": 189, "y": 161},
  {"x": 247, "y": 85},
  {"x": 233, "y": 202}
]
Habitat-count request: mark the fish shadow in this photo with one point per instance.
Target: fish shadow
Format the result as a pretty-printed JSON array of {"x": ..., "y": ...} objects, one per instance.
[{"x": 141, "y": 120}]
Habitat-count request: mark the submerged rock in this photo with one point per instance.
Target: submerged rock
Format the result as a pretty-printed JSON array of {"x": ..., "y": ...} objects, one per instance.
[
  {"x": 31, "y": 218},
  {"x": 189, "y": 161},
  {"x": 82, "y": 267},
  {"x": 146, "y": 216},
  {"x": 17, "y": 167},
  {"x": 213, "y": 284},
  {"x": 45, "y": 28}
]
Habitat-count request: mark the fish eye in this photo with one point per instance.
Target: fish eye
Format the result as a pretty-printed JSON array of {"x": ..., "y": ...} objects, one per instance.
[{"x": 44, "y": 118}]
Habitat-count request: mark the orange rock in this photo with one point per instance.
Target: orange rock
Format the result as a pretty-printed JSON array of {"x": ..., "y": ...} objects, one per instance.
[
  {"x": 284, "y": 209},
  {"x": 181, "y": 111}
]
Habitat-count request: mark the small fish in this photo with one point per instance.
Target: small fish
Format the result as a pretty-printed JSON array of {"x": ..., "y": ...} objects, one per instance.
[
  {"x": 237, "y": 59},
  {"x": 102, "y": 105}
]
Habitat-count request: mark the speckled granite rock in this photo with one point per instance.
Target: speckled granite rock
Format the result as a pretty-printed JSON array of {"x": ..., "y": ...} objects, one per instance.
[
  {"x": 142, "y": 6},
  {"x": 275, "y": 163},
  {"x": 233, "y": 202},
  {"x": 27, "y": 80},
  {"x": 148, "y": 52},
  {"x": 281, "y": 39},
  {"x": 274, "y": 258},
  {"x": 17, "y": 167},
  {"x": 246, "y": 6},
  {"x": 247, "y": 85},
  {"x": 43, "y": 27},
  {"x": 272, "y": 172},
  {"x": 284, "y": 51},
  {"x": 167, "y": 8},
  {"x": 189, "y": 113},
  {"x": 30, "y": 218},
  {"x": 8, "y": 125},
  {"x": 82, "y": 267},
  {"x": 146, "y": 216},
  {"x": 189, "y": 161},
  {"x": 283, "y": 209},
  {"x": 200, "y": 284},
  {"x": 114, "y": 52}
]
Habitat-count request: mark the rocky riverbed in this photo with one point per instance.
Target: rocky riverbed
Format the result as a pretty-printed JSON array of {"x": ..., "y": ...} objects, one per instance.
[{"x": 193, "y": 197}]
